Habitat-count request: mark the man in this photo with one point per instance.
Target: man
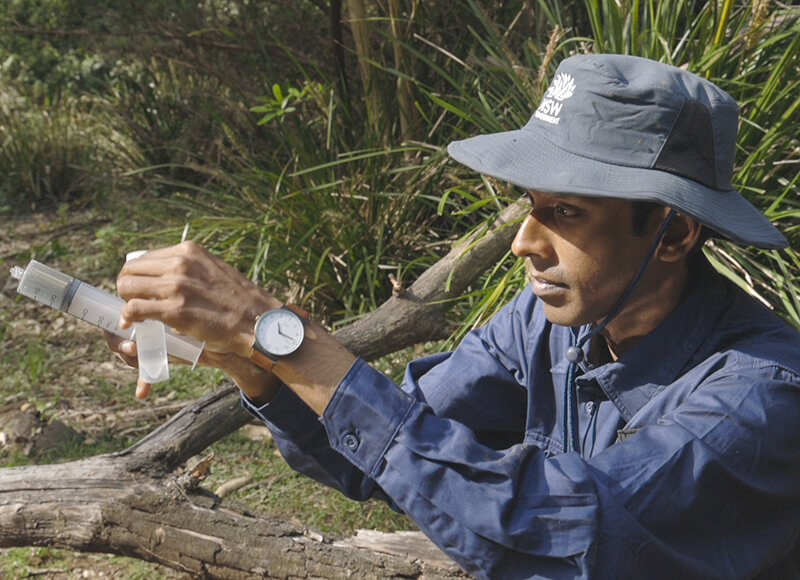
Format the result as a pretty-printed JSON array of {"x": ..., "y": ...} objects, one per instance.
[{"x": 630, "y": 414}]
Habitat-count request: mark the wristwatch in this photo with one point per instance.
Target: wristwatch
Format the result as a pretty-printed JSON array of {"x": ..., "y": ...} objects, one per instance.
[{"x": 278, "y": 333}]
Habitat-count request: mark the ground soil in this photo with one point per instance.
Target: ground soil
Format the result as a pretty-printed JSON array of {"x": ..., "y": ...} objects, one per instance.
[{"x": 58, "y": 370}]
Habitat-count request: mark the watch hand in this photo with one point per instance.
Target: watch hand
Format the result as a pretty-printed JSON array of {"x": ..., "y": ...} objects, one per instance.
[{"x": 281, "y": 333}]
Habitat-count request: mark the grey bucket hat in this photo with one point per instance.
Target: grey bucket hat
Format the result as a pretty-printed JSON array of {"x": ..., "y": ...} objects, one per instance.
[{"x": 627, "y": 127}]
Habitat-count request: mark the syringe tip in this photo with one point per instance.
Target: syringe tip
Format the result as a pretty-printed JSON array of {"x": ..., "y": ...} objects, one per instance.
[{"x": 17, "y": 272}]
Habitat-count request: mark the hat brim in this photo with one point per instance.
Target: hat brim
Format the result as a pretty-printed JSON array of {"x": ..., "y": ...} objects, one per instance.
[{"x": 526, "y": 158}]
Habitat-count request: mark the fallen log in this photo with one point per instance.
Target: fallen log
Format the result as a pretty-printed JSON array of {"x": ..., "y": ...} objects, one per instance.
[
  {"x": 131, "y": 503},
  {"x": 135, "y": 503}
]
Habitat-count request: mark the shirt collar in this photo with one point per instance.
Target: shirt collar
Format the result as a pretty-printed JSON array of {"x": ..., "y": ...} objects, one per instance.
[{"x": 659, "y": 358}]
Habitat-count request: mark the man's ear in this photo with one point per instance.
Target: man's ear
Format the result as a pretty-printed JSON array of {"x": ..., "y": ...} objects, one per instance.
[{"x": 682, "y": 235}]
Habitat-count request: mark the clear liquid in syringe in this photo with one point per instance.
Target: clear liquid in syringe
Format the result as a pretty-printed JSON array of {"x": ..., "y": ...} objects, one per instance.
[{"x": 97, "y": 307}]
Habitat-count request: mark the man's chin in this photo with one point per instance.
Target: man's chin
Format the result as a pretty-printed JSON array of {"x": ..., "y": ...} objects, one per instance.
[{"x": 562, "y": 315}]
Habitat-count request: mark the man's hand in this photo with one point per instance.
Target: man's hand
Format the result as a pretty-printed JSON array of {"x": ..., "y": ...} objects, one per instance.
[
  {"x": 257, "y": 384},
  {"x": 126, "y": 350},
  {"x": 196, "y": 293}
]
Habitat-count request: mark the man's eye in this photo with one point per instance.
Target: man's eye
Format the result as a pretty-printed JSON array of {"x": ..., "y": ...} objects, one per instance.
[{"x": 564, "y": 211}]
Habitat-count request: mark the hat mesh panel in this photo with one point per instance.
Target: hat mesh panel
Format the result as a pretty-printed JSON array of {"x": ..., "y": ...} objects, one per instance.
[{"x": 689, "y": 150}]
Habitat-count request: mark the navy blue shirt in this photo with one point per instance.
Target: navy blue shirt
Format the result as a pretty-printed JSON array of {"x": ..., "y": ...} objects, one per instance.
[{"x": 689, "y": 459}]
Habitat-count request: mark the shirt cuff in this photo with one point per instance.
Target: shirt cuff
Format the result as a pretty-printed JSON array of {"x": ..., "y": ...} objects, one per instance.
[
  {"x": 280, "y": 404},
  {"x": 364, "y": 415}
]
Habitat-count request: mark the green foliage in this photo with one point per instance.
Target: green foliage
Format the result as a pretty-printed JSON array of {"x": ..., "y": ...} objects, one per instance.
[
  {"x": 35, "y": 53},
  {"x": 35, "y": 361},
  {"x": 64, "y": 152},
  {"x": 305, "y": 193},
  {"x": 323, "y": 234},
  {"x": 281, "y": 104}
]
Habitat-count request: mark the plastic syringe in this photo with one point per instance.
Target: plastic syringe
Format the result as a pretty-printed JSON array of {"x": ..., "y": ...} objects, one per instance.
[
  {"x": 151, "y": 344},
  {"x": 86, "y": 302}
]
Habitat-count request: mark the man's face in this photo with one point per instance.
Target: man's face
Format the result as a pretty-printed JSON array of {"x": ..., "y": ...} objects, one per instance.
[{"x": 582, "y": 254}]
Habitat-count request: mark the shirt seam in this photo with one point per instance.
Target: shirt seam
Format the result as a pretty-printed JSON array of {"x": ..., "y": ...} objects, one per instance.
[
  {"x": 373, "y": 472},
  {"x": 747, "y": 363}
]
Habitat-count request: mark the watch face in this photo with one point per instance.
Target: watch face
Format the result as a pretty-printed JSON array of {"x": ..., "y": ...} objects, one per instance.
[{"x": 279, "y": 332}]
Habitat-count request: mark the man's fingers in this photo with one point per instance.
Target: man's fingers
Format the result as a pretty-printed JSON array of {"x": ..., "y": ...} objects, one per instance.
[
  {"x": 161, "y": 261},
  {"x": 125, "y": 349},
  {"x": 142, "y": 389},
  {"x": 137, "y": 310},
  {"x": 128, "y": 348},
  {"x": 113, "y": 341},
  {"x": 156, "y": 286}
]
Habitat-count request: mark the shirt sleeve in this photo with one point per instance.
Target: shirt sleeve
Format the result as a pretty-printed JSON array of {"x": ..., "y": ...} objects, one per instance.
[
  {"x": 703, "y": 492},
  {"x": 303, "y": 443},
  {"x": 482, "y": 390}
]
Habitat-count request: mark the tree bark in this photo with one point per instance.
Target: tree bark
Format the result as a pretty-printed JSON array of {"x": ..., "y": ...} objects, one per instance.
[
  {"x": 359, "y": 25},
  {"x": 409, "y": 116},
  {"x": 132, "y": 503}
]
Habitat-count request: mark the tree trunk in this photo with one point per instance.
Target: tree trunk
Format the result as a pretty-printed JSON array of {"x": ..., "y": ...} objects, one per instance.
[
  {"x": 359, "y": 25},
  {"x": 409, "y": 116},
  {"x": 337, "y": 47},
  {"x": 132, "y": 503}
]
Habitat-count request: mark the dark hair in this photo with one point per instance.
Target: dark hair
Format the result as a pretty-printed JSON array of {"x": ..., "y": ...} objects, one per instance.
[{"x": 642, "y": 210}]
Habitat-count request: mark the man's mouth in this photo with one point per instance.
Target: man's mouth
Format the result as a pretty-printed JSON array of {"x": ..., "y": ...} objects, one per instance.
[{"x": 542, "y": 286}]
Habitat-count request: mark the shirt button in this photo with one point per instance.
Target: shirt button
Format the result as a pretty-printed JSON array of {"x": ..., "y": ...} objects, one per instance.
[{"x": 351, "y": 441}]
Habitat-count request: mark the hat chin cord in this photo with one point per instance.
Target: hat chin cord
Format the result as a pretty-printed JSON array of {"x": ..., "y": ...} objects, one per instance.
[{"x": 575, "y": 352}]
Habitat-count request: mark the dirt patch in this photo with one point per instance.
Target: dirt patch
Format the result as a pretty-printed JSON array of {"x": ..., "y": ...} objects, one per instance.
[
  {"x": 62, "y": 392},
  {"x": 53, "y": 361}
]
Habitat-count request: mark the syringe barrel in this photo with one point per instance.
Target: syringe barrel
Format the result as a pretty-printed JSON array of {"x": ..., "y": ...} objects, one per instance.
[
  {"x": 44, "y": 284},
  {"x": 103, "y": 310},
  {"x": 95, "y": 306},
  {"x": 98, "y": 307},
  {"x": 184, "y": 347}
]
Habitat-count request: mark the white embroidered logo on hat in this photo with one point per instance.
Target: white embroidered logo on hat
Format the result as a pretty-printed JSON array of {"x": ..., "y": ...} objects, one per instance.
[{"x": 562, "y": 87}]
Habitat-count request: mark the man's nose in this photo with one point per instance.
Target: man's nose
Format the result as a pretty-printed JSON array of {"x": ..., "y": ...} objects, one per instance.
[{"x": 532, "y": 239}]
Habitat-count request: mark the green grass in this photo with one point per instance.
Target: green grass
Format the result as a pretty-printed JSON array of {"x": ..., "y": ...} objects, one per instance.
[
  {"x": 44, "y": 562},
  {"x": 277, "y": 490}
]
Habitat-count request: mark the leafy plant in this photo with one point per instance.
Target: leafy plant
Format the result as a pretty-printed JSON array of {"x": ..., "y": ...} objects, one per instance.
[{"x": 59, "y": 153}]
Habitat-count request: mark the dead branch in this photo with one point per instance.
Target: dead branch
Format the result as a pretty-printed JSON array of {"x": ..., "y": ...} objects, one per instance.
[{"x": 131, "y": 503}]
